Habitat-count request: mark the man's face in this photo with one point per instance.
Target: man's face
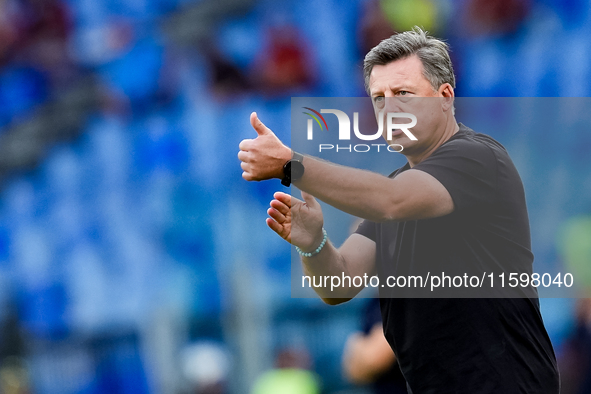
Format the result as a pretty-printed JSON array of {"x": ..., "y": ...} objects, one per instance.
[{"x": 395, "y": 87}]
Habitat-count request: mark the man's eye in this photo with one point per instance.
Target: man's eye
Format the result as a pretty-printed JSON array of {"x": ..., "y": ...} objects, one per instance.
[
  {"x": 378, "y": 99},
  {"x": 403, "y": 92}
]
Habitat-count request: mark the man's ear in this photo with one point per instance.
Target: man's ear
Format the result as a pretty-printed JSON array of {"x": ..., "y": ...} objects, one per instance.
[{"x": 447, "y": 92}]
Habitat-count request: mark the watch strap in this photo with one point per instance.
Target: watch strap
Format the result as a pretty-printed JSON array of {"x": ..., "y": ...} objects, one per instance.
[{"x": 295, "y": 156}]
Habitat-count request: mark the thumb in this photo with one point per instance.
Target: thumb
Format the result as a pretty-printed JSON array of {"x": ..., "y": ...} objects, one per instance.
[
  {"x": 259, "y": 127},
  {"x": 310, "y": 200}
]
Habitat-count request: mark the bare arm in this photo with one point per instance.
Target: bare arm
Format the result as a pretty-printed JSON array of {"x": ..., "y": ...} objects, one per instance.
[
  {"x": 356, "y": 257},
  {"x": 413, "y": 194}
]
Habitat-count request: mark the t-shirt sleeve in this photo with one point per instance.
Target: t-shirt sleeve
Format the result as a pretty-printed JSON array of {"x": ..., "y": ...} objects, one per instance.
[
  {"x": 367, "y": 228},
  {"x": 467, "y": 169}
]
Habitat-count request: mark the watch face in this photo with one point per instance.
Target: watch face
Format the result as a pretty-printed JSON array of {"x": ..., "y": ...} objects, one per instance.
[{"x": 297, "y": 170}]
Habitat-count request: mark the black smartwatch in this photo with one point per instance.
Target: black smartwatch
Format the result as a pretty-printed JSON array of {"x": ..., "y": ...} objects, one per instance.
[{"x": 293, "y": 170}]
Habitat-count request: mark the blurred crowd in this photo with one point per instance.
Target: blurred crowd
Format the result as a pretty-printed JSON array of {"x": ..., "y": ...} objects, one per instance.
[{"x": 135, "y": 259}]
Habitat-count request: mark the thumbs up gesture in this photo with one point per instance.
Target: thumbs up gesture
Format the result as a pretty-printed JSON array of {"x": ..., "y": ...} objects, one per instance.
[{"x": 263, "y": 157}]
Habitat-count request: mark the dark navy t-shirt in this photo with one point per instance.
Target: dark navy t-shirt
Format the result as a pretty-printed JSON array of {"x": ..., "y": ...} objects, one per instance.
[{"x": 466, "y": 345}]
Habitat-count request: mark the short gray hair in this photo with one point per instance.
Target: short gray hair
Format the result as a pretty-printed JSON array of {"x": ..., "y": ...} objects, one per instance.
[{"x": 433, "y": 52}]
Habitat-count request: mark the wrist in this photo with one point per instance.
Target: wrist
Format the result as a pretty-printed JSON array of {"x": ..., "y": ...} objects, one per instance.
[
  {"x": 284, "y": 157},
  {"x": 313, "y": 251},
  {"x": 293, "y": 169}
]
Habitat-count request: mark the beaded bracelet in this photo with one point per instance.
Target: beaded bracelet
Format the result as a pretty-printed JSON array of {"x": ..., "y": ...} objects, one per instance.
[{"x": 318, "y": 249}]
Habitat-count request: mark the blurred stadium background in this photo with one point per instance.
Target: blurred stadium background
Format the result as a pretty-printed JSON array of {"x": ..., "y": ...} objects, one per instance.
[{"x": 135, "y": 259}]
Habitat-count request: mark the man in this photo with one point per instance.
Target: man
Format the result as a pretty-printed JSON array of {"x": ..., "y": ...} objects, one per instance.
[{"x": 458, "y": 202}]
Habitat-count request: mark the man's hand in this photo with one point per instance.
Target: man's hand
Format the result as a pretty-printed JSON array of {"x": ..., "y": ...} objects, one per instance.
[
  {"x": 262, "y": 158},
  {"x": 298, "y": 222}
]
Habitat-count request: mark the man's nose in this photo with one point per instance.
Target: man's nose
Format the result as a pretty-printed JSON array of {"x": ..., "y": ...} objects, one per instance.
[{"x": 392, "y": 104}]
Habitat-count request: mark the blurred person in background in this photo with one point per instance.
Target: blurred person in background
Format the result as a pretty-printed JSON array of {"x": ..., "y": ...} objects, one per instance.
[
  {"x": 575, "y": 360},
  {"x": 227, "y": 80},
  {"x": 8, "y": 28},
  {"x": 14, "y": 376},
  {"x": 447, "y": 206},
  {"x": 574, "y": 357},
  {"x": 490, "y": 17},
  {"x": 368, "y": 359},
  {"x": 44, "y": 28},
  {"x": 14, "y": 372},
  {"x": 205, "y": 367},
  {"x": 286, "y": 64},
  {"x": 373, "y": 26},
  {"x": 291, "y": 375}
]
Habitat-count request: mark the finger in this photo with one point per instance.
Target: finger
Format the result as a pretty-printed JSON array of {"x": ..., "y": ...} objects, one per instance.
[
  {"x": 275, "y": 214},
  {"x": 279, "y": 229},
  {"x": 280, "y": 206},
  {"x": 260, "y": 128},
  {"x": 245, "y": 144},
  {"x": 244, "y": 166},
  {"x": 243, "y": 156},
  {"x": 247, "y": 176},
  {"x": 285, "y": 198},
  {"x": 310, "y": 200}
]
